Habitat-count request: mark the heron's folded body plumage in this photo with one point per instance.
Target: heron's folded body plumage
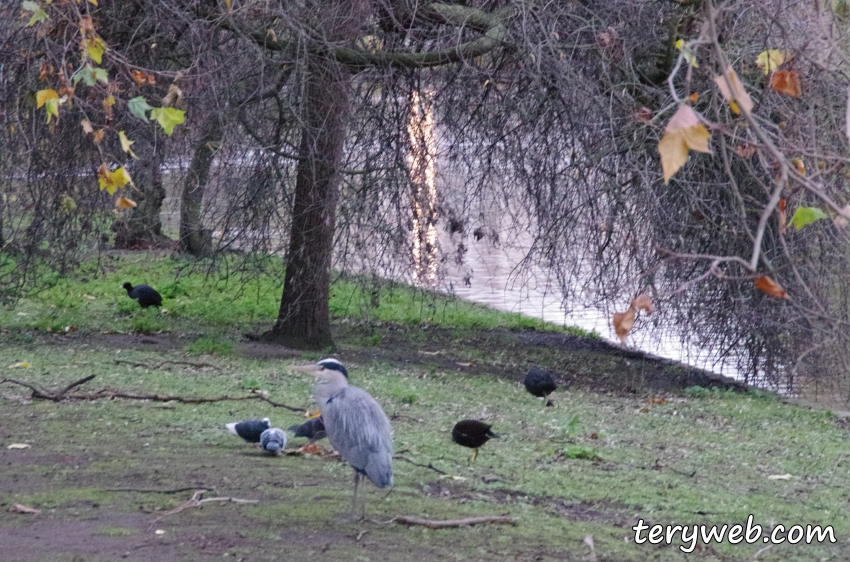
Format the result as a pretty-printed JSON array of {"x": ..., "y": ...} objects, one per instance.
[{"x": 359, "y": 429}]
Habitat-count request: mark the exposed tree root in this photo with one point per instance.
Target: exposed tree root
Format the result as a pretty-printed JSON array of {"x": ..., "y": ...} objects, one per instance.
[
  {"x": 42, "y": 394},
  {"x": 448, "y": 523}
]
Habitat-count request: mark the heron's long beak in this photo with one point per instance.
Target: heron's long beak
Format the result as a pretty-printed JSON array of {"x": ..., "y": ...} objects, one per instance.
[{"x": 311, "y": 369}]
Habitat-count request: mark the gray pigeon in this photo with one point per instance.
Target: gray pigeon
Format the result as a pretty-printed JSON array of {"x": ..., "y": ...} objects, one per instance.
[
  {"x": 249, "y": 430},
  {"x": 273, "y": 440}
]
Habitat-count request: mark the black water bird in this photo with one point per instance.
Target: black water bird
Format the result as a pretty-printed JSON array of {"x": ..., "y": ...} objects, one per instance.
[
  {"x": 273, "y": 440},
  {"x": 355, "y": 423},
  {"x": 145, "y": 294},
  {"x": 249, "y": 430},
  {"x": 313, "y": 429},
  {"x": 472, "y": 434},
  {"x": 540, "y": 383}
]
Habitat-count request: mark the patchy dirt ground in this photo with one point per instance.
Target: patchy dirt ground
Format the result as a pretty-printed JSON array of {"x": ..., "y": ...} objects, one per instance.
[{"x": 103, "y": 474}]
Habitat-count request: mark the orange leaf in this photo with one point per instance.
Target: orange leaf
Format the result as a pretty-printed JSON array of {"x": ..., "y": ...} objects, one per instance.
[
  {"x": 623, "y": 323},
  {"x": 643, "y": 302},
  {"x": 124, "y": 203},
  {"x": 151, "y": 80},
  {"x": 786, "y": 82},
  {"x": 783, "y": 218},
  {"x": 86, "y": 26},
  {"x": 771, "y": 287},
  {"x": 644, "y": 114},
  {"x": 694, "y": 97},
  {"x": 607, "y": 37},
  {"x": 98, "y": 135},
  {"x": 745, "y": 150},
  {"x": 139, "y": 77}
]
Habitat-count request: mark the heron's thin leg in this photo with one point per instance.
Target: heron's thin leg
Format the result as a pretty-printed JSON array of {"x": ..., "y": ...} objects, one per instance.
[{"x": 354, "y": 501}]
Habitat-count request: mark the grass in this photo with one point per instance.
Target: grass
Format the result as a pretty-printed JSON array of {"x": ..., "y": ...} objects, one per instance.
[
  {"x": 226, "y": 302},
  {"x": 590, "y": 466}
]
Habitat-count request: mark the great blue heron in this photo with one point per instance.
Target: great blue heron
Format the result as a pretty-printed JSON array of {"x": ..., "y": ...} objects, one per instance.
[
  {"x": 355, "y": 424},
  {"x": 273, "y": 440},
  {"x": 145, "y": 294},
  {"x": 472, "y": 434},
  {"x": 249, "y": 430},
  {"x": 540, "y": 383}
]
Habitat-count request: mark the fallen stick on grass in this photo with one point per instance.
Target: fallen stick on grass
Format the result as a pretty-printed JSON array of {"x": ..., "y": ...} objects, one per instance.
[
  {"x": 163, "y": 363},
  {"x": 150, "y": 491},
  {"x": 196, "y": 502},
  {"x": 41, "y": 393},
  {"x": 448, "y": 523}
]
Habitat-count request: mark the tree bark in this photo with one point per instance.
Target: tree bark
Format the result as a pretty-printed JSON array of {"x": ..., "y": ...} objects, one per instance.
[
  {"x": 194, "y": 238},
  {"x": 304, "y": 316},
  {"x": 141, "y": 227}
]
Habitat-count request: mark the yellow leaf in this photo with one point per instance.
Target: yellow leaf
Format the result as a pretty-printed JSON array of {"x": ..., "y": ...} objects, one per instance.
[
  {"x": 733, "y": 90},
  {"x": 111, "y": 181},
  {"x": 95, "y": 47},
  {"x": 799, "y": 165},
  {"x": 93, "y": 2},
  {"x": 228, "y": 4},
  {"x": 125, "y": 144},
  {"x": 108, "y": 102},
  {"x": 770, "y": 60},
  {"x": 684, "y": 132},
  {"x": 67, "y": 204},
  {"x": 124, "y": 203},
  {"x": 42, "y": 96},
  {"x": 52, "y": 108},
  {"x": 687, "y": 54}
]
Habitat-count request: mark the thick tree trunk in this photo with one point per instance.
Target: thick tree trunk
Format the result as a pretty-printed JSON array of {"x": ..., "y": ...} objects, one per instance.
[
  {"x": 141, "y": 227},
  {"x": 304, "y": 317},
  {"x": 194, "y": 238}
]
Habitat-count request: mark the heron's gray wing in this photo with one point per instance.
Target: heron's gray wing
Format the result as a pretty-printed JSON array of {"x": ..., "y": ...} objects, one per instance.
[{"x": 359, "y": 429}]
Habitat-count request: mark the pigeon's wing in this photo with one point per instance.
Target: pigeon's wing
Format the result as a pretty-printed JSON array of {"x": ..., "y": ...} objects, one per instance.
[{"x": 359, "y": 429}]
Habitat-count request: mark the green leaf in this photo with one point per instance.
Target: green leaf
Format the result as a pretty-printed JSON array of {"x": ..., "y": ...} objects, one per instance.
[
  {"x": 52, "y": 108},
  {"x": 806, "y": 215},
  {"x": 138, "y": 106},
  {"x": 90, "y": 75},
  {"x": 167, "y": 117},
  {"x": 38, "y": 15}
]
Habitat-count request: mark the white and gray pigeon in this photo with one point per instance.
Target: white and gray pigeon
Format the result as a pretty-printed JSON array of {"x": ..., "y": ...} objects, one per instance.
[
  {"x": 249, "y": 430},
  {"x": 273, "y": 440}
]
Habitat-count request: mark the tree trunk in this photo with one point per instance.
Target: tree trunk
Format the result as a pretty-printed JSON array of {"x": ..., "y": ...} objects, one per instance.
[
  {"x": 304, "y": 317},
  {"x": 141, "y": 227},
  {"x": 194, "y": 238}
]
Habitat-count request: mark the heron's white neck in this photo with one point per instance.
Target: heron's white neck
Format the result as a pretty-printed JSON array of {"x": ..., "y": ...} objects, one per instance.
[{"x": 328, "y": 383}]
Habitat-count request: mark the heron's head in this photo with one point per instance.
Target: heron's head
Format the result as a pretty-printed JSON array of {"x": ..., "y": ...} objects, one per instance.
[{"x": 329, "y": 373}]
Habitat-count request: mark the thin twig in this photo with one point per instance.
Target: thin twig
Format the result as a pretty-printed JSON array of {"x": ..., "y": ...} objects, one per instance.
[
  {"x": 429, "y": 465},
  {"x": 195, "y": 501},
  {"x": 149, "y": 491},
  {"x": 447, "y": 523}
]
